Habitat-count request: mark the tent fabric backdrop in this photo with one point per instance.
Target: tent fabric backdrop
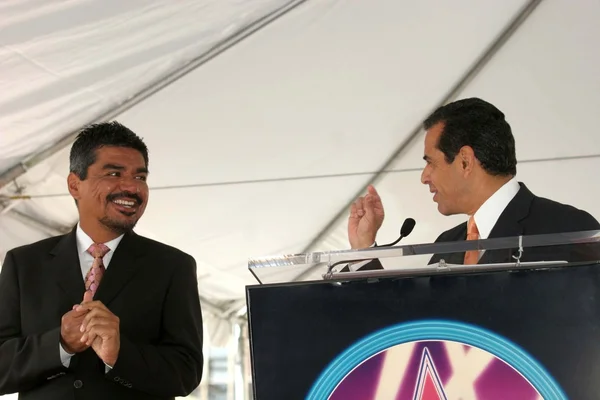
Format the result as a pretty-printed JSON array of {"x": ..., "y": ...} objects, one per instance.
[
  {"x": 66, "y": 63},
  {"x": 256, "y": 151}
]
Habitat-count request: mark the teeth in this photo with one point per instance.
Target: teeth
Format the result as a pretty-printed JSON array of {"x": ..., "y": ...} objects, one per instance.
[{"x": 124, "y": 203}]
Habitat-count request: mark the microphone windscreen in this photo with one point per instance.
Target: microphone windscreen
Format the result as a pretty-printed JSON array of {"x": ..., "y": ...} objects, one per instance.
[{"x": 407, "y": 227}]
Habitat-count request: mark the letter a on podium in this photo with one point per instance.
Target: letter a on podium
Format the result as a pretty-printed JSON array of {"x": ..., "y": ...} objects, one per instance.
[{"x": 429, "y": 384}]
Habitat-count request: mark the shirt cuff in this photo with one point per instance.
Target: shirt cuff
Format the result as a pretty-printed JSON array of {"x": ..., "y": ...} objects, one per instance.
[{"x": 65, "y": 358}]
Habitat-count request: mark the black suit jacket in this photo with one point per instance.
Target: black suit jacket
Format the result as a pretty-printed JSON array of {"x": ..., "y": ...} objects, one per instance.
[
  {"x": 150, "y": 286},
  {"x": 526, "y": 214}
]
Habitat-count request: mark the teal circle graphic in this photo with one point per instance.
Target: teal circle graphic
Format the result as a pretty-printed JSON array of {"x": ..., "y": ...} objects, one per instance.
[{"x": 468, "y": 334}]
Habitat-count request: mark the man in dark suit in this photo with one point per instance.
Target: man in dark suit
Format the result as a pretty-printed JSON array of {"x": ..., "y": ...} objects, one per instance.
[
  {"x": 101, "y": 313},
  {"x": 470, "y": 169}
]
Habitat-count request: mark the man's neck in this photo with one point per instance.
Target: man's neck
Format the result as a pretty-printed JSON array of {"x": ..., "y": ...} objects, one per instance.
[
  {"x": 485, "y": 190},
  {"x": 98, "y": 232}
]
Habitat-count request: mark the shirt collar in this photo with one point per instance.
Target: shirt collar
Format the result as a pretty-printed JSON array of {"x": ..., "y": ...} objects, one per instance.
[
  {"x": 84, "y": 241},
  {"x": 487, "y": 215}
]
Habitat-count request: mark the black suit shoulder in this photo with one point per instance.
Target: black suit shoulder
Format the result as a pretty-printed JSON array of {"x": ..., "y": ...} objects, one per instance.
[
  {"x": 33, "y": 255},
  {"x": 44, "y": 245},
  {"x": 164, "y": 256},
  {"x": 549, "y": 216},
  {"x": 453, "y": 234}
]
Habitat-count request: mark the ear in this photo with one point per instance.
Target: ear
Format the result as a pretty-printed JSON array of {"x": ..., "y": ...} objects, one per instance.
[
  {"x": 74, "y": 183},
  {"x": 467, "y": 159}
]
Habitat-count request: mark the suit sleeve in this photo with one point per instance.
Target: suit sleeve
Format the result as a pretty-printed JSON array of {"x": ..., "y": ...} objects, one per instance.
[
  {"x": 173, "y": 367},
  {"x": 25, "y": 361},
  {"x": 583, "y": 221},
  {"x": 371, "y": 265}
]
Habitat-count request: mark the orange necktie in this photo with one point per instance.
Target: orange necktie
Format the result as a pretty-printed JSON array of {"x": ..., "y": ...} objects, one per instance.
[{"x": 472, "y": 257}]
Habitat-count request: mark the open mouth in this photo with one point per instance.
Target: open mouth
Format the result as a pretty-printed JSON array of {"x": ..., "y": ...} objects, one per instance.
[{"x": 125, "y": 206}]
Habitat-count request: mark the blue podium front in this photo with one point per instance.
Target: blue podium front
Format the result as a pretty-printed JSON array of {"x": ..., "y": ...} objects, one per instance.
[{"x": 526, "y": 333}]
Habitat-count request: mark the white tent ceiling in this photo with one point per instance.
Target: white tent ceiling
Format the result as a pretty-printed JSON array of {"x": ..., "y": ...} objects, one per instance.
[{"x": 256, "y": 151}]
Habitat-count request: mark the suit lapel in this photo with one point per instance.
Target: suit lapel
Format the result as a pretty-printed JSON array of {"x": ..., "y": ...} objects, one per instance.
[
  {"x": 458, "y": 257},
  {"x": 509, "y": 223},
  {"x": 456, "y": 234},
  {"x": 66, "y": 268},
  {"x": 123, "y": 266}
]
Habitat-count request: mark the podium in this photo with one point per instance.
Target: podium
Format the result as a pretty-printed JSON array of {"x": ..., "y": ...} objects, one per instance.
[{"x": 524, "y": 327}]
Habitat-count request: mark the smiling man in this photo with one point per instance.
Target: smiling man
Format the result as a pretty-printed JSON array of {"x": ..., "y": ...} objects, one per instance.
[
  {"x": 101, "y": 313},
  {"x": 470, "y": 169}
]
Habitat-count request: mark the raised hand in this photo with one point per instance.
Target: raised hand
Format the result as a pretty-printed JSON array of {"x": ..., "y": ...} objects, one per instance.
[{"x": 366, "y": 217}]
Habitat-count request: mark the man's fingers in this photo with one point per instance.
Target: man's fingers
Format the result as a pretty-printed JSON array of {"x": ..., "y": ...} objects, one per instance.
[
  {"x": 371, "y": 190},
  {"x": 94, "y": 322},
  {"x": 88, "y": 296},
  {"x": 360, "y": 210},
  {"x": 72, "y": 315},
  {"x": 353, "y": 210},
  {"x": 88, "y": 338},
  {"x": 369, "y": 206},
  {"x": 91, "y": 305},
  {"x": 98, "y": 331},
  {"x": 94, "y": 313},
  {"x": 372, "y": 193}
]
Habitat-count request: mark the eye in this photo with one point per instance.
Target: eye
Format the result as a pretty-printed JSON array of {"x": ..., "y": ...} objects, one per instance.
[
  {"x": 141, "y": 178},
  {"x": 114, "y": 173}
]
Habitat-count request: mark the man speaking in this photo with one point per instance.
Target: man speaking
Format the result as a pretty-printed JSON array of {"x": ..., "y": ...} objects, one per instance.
[
  {"x": 470, "y": 169},
  {"x": 101, "y": 313}
]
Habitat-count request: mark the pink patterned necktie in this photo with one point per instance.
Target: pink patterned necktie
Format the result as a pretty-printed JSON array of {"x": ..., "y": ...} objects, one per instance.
[{"x": 94, "y": 275}]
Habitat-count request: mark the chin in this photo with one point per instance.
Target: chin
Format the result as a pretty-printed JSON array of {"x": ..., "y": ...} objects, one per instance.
[
  {"x": 444, "y": 211},
  {"x": 121, "y": 225}
]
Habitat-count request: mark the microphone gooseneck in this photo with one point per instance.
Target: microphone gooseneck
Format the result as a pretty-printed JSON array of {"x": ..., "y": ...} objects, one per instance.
[{"x": 407, "y": 228}]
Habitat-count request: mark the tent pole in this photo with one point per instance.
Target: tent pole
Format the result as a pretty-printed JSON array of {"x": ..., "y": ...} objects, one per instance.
[{"x": 452, "y": 94}]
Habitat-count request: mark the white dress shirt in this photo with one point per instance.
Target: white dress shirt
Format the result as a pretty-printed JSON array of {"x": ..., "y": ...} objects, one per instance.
[
  {"x": 85, "y": 261},
  {"x": 485, "y": 217}
]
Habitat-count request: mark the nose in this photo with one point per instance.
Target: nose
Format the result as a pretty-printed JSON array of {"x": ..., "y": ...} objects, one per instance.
[
  {"x": 130, "y": 185},
  {"x": 425, "y": 179}
]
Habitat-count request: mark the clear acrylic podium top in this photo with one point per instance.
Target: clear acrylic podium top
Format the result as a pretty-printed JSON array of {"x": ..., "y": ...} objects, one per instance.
[{"x": 509, "y": 253}]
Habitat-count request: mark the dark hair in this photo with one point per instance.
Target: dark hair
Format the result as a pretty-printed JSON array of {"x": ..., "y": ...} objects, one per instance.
[
  {"x": 480, "y": 125},
  {"x": 92, "y": 137}
]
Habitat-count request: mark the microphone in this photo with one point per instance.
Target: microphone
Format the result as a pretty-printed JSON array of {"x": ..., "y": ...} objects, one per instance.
[{"x": 407, "y": 228}]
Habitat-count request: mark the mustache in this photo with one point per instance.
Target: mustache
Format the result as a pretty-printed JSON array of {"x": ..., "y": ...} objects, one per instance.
[{"x": 122, "y": 195}]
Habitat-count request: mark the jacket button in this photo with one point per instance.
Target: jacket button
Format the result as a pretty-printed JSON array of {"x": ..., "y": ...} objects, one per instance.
[{"x": 78, "y": 384}]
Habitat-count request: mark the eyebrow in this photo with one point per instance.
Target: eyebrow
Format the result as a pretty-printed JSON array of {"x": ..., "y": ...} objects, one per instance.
[
  {"x": 113, "y": 166},
  {"x": 141, "y": 170}
]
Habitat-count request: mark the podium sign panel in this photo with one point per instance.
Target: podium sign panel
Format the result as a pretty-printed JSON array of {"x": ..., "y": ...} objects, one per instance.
[{"x": 510, "y": 332}]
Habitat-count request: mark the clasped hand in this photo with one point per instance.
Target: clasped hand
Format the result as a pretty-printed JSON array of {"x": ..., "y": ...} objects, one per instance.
[{"x": 91, "y": 324}]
